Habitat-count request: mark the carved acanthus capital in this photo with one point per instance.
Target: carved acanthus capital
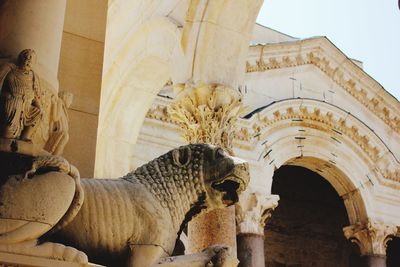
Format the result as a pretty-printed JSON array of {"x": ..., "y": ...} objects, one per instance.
[
  {"x": 207, "y": 113},
  {"x": 371, "y": 237},
  {"x": 252, "y": 211}
]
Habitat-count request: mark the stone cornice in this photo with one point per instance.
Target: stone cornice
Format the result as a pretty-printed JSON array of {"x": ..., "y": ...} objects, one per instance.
[
  {"x": 315, "y": 114},
  {"x": 323, "y": 54},
  {"x": 329, "y": 118}
]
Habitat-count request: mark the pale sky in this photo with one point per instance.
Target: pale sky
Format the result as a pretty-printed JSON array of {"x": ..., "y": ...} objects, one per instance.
[{"x": 367, "y": 30}]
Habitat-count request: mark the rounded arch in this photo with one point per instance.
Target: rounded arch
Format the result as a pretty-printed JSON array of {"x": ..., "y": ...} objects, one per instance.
[
  {"x": 330, "y": 141},
  {"x": 139, "y": 69}
]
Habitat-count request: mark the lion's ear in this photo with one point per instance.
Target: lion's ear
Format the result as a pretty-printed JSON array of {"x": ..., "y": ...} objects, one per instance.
[{"x": 182, "y": 155}]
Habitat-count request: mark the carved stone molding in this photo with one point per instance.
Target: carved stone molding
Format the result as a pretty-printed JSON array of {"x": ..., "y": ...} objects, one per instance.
[
  {"x": 371, "y": 237},
  {"x": 207, "y": 113},
  {"x": 365, "y": 94},
  {"x": 252, "y": 211},
  {"x": 312, "y": 114},
  {"x": 318, "y": 116},
  {"x": 32, "y": 115}
]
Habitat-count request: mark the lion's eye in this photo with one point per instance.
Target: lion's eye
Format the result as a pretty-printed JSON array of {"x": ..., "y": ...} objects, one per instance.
[{"x": 219, "y": 153}]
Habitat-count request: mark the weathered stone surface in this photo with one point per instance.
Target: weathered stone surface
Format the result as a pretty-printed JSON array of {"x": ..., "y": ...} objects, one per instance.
[
  {"x": 214, "y": 256},
  {"x": 31, "y": 113},
  {"x": 143, "y": 213},
  {"x": 37, "y": 195}
]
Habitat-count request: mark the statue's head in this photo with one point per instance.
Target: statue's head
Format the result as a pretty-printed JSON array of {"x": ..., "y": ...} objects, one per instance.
[
  {"x": 224, "y": 177},
  {"x": 26, "y": 59}
]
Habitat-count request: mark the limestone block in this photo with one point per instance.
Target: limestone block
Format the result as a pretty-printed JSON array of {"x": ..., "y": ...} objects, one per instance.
[
  {"x": 81, "y": 18},
  {"x": 81, "y": 63},
  {"x": 82, "y": 141}
]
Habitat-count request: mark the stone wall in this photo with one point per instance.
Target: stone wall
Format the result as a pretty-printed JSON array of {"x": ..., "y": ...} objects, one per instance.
[{"x": 306, "y": 227}]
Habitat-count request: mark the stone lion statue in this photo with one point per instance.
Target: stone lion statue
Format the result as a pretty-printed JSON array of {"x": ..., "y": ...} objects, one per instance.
[{"x": 137, "y": 219}]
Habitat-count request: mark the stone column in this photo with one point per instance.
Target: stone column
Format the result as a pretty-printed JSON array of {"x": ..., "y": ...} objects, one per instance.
[
  {"x": 252, "y": 211},
  {"x": 36, "y": 25},
  {"x": 372, "y": 238},
  {"x": 207, "y": 113}
]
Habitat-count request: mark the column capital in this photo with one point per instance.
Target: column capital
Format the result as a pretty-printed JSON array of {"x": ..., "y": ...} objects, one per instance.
[
  {"x": 207, "y": 113},
  {"x": 371, "y": 237},
  {"x": 252, "y": 211}
]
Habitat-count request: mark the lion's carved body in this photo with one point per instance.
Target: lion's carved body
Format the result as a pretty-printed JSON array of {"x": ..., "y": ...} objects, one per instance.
[
  {"x": 148, "y": 206},
  {"x": 115, "y": 212}
]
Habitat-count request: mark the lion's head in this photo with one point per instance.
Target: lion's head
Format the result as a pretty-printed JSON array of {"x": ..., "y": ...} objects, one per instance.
[
  {"x": 224, "y": 177},
  {"x": 193, "y": 178}
]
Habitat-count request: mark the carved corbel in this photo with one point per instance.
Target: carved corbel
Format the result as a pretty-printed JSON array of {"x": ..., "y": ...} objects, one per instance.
[
  {"x": 207, "y": 113},
  {"x": 372, "y": 237},
  {"x": 252, "y": 211}
]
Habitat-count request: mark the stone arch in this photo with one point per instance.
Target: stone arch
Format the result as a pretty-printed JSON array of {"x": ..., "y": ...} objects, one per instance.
[
  {"x": 130, "y": 83},
  {"x": 330, "y": 141}
]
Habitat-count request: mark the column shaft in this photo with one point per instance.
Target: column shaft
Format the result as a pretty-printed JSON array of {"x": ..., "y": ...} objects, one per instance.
[
  {"x": 373, "y": 261},
  {"x": 250, "y": 250},
  {"x": 215, "y": 227},
  {"x": 36, "y": 25}
]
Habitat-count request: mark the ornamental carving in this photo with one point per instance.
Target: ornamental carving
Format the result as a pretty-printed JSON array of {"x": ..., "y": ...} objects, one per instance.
[
  {"x": 374, "y": 103},
  {"x": 327, "y": 118},
  {"x": 252, "y": 211},
  {"x": 207, "y": 113},
  {"x": 250, "y": 132},
  {"x": 371, "y": 237},
  {"x": 33, "y": 120}
]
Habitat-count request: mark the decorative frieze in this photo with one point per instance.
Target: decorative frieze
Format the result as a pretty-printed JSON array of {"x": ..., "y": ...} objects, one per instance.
[
  {"x": 325, "y": 117},
  {"x": 371, "y": 237},
  {"x": 252, "y": 211},
  {"x": 348, "y": 81},
  {"x": 303, "y": 112},
  {"x": 207, "y": 113}
]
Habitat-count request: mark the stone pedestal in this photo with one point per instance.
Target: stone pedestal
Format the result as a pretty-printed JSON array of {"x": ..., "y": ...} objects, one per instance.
[
  {"x": 215, "y": 227},
  {"x": 373, "y": 261},
  {"x": 35, "y": 25},
  {"x": 250, "y": 250}
]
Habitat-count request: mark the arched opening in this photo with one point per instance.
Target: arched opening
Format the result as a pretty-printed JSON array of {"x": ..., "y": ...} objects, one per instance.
[
  {"x": 306, "y": 227},
  {"x": 393, "y": 253}
]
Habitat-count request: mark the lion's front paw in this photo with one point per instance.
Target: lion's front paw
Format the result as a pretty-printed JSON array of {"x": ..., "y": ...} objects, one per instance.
[{"x": 66, "y": 253}]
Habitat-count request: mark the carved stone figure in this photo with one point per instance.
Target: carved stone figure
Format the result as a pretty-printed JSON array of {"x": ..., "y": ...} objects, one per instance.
[
  {"x": 20, "y": 110},
  {"x": 59, "y": 124},
  {"x": 33, "y": 118},
  {"x": 139, "y": 217}
]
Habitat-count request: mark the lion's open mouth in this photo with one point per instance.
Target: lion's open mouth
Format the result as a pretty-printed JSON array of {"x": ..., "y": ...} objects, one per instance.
[{"x": 229, "y": 187}]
